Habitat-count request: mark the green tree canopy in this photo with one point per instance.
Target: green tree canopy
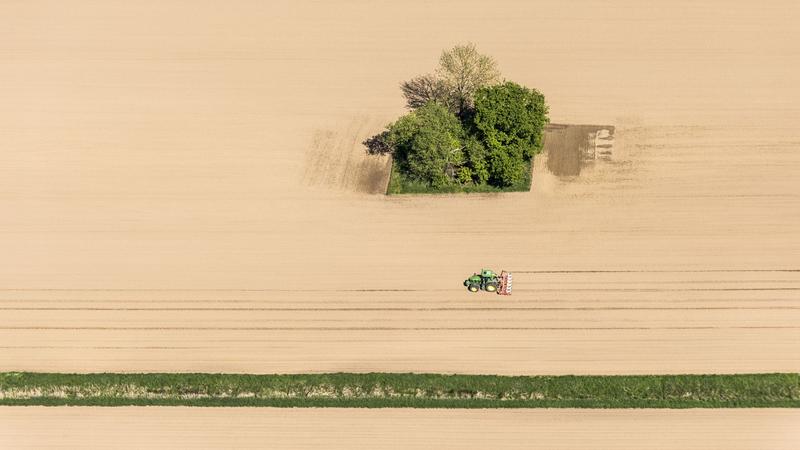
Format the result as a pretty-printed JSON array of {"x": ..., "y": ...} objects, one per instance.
[
  {"x": 427, "y": 144},
  {"x": 466, "y": 132},
  {"x": 506, "y": 166},
  {"x": 476, "y": 167},
  {"x": 511, "y": 118}
]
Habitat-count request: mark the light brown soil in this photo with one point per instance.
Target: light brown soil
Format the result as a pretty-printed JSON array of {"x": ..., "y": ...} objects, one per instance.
[
  {"x": 154, "y": 160},
  {"x": 594, "y": 323},
  {"x": 154, "y": 152},
  {"x": 36, "y": 428},
  {"x": 338, "y": 160}
]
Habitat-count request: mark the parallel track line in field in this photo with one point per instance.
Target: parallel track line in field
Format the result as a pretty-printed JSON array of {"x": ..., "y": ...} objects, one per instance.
[
  {"x": 545, "y": 308},
  {"x": 99, "y": 328},
  {"x": 440, "y": 290}
]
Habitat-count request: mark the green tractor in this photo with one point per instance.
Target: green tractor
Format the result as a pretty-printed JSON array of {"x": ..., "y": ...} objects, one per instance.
[{"x": 489, "y": 281}]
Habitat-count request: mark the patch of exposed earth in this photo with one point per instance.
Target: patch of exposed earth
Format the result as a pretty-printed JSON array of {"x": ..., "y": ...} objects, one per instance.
[
  {"x": 337, "y": 159},
  {"x": 571, "y": 148}
]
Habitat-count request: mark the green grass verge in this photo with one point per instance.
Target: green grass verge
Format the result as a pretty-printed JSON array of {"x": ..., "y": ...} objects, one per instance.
[
  {"x": 393, "y": 390},
  {"x": 399, "y": 184}
]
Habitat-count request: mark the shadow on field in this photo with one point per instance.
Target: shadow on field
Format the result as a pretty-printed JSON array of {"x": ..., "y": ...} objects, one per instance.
[{"x": 336, "y": 159}]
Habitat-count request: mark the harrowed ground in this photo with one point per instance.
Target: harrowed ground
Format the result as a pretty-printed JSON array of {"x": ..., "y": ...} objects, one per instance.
[
  {"x": 180, "y": 190},
  {"x": 310, "y": 428}
]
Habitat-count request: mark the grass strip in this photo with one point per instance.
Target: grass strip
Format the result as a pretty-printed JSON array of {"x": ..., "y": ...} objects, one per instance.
[
  {"x": 399, "y": 184},
  {"x": 401, "y": 390}
]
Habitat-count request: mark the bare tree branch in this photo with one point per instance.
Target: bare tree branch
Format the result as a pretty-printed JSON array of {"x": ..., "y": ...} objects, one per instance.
[
  {"x": 423, "y": 89},
  {"x": 463, "y": 71}
]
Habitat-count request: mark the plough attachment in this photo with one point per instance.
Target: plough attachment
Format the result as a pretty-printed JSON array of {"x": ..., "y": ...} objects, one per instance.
[{"x": 506, "y": 283}]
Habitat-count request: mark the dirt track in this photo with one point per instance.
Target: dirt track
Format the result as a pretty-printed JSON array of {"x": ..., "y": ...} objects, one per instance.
[
  {"x": 38, "y": 428},
  {"x": 160, "y": 159}
]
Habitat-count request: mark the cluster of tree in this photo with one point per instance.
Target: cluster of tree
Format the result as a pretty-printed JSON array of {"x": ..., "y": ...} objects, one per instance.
[{"x": 466, "y": 126}]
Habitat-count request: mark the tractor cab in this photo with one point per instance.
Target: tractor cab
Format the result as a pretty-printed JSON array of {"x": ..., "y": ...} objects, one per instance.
[{"x": 474, "y": 283}]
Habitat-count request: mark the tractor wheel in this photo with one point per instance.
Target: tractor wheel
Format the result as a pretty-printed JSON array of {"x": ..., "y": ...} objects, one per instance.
[
  {"x": 473, "y": 288},
  {"x": 491, "y": 287}
]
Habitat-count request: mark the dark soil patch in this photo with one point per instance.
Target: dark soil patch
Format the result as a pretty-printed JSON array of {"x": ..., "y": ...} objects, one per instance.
[{"x": 571, "y": 147}]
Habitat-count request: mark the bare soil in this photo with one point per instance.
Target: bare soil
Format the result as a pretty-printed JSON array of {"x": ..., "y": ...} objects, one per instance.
[
  {"x": 187, "y": 199},
  {"x": 153, "y": 155},
  {"x": 338, "y": 160},
  {"x": 568, "y": 148},
  {"x": 743, "y": 429}
]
